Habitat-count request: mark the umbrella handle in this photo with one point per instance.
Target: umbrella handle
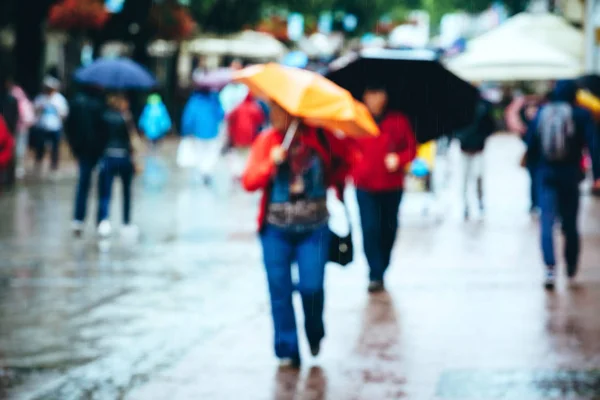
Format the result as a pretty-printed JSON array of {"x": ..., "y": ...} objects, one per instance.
[{"x": 290, "y": 133}]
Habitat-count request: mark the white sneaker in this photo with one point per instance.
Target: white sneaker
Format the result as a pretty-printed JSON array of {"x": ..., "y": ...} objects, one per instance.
[
  {"x": 77, "y": 228},
  {"x": 104, "y": 229}
]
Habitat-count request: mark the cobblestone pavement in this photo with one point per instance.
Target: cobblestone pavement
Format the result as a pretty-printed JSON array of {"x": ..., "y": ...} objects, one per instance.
[{"x": 183, "y": 313}]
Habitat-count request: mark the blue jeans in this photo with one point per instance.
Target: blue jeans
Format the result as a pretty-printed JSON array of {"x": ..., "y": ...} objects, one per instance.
[
  {"x": 558, "y": 195},
  {"x": 86, "y": 168},
  {"x": 379, "y": 220},
  {"x": 310, "y": 250},
  {"x": 532, "y": 170},
  {"x": 109, "y": 168}
]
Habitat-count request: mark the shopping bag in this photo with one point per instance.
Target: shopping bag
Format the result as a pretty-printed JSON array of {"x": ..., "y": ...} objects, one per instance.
[{"x": 186, "y": 153}]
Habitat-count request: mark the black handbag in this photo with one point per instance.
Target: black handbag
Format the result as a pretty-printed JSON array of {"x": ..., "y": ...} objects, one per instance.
[{"x": 341, "y": 248}]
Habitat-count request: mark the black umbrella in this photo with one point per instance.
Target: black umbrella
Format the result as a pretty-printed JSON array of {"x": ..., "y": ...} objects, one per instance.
[
  {"x": 590, "y": 83},
  {"x": 436, "y": 101}
]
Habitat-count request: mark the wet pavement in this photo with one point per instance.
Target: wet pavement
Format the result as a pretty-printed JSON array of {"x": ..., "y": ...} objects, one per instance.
[{"x": 183, "y": 313}]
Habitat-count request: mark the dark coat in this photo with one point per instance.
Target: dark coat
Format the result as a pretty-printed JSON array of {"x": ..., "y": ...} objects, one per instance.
[
  {"x": 472, "y": 138},
  {"x": 83, "y": 126}
]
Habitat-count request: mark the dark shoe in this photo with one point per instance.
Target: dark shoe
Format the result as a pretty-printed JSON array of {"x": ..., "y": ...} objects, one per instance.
[
  {"x": 550, "y": 280},
  {"x": 572, "y": 271},
  {"x": 376, "y": 287},
  {"x": 315, "y": 349}
]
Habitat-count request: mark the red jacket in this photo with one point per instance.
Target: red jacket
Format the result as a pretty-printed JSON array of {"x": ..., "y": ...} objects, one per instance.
[
  {"x": 337, "y": 160},
  {"x": 7, "y": 144},
  {"x": 245, "y": 122},
  {"x": 370, "y": 172}
]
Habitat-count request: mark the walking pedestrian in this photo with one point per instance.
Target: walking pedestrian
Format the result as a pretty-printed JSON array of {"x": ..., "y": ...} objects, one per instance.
[
  {"x": 7, "y": 144},
  {"x": 24, "y": 123},
  {"x": 86, "y": 142},
  {"x": 52, "y": 109},
  {"x": 379, "y": 180},
  {"x": 9, "y": 110},
  {"x": 117, "y": 160},
  {"x": 202, "y": 118},
  {"x": 293, "y": 223},
  {"x": 555, "y": 140},
  {"x": 472, "y": 144},
  {"x": 243, "y": 125},
  {"x": 155, "y": 122}
]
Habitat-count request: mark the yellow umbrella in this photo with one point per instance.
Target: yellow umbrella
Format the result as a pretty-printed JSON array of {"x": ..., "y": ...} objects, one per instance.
[
  {"x": 309, "y": 96},
  {"x": 587, "y": 100}
]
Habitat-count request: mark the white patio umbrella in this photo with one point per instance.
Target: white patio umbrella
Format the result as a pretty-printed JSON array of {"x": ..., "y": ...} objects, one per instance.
[
  {"x": 513, "y": 58},
  {"x": 549, "y": 29},
  {"x": 257, "y": 45}
]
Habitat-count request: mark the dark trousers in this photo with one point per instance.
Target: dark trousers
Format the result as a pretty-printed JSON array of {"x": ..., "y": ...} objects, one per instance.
[
  {"x": 310, "y": 250},
  {"x": 45, "y": 139},
  {"x": 379, "y": 220},
  {"x": 109, "y": 168},
  {"x": 558, "y": 194},
  {"x": 86, "y": 169}
]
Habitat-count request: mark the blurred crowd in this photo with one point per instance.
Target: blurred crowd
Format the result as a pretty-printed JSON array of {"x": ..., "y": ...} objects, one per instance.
[{"x": 280, "y": 134}]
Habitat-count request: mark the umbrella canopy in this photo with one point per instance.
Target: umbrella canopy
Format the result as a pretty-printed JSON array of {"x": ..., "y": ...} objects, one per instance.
[
  {"x": 434, "y": 99},
  {"x": 514, "y": 58},
  {"x": 545, "y": 28},
  {"x": 213, "y": 80},
  {"x": 309, "y": 96},
  {"x": 587, "y": 100},
  {"x": 247, "y": 44},
  {"x": 116, "y": 74},
  {"x": 591, "y": 83}
]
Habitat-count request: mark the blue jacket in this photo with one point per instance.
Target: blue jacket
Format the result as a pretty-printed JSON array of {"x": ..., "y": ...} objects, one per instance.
[
  {"x": 585, "y": 133},
  {"x": 202, "y": 116},
  {"x": 155, "y": 121}
]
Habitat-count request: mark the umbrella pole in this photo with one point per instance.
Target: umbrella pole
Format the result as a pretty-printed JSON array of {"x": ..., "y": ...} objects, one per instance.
[{"x": 290, "y": 133}]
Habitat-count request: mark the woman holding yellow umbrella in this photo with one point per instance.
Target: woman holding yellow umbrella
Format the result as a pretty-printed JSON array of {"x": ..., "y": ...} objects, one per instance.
[{"x": 293, "y": 164}]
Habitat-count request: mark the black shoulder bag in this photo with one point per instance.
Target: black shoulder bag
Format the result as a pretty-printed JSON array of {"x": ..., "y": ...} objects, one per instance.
[{"x": 341, "y": 249}]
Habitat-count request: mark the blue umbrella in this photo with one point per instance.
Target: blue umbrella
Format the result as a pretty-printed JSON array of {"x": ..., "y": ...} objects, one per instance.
[
  {"x": 116, "y": 74},
  {"x": 297, "y": 59}
]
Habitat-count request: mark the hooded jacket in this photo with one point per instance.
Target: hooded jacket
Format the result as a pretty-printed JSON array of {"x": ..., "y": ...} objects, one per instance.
[
  {"x": 585, "y": 133},
  {"x": 202, "y": 116},
  {"x": 155, "y": 121},
  {"x": 83, "y": 126}
]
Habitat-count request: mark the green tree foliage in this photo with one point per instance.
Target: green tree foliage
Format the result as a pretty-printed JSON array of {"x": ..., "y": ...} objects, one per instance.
[
  {"x": 224, "y": 16},
  {"x": 232, "y": 15}
]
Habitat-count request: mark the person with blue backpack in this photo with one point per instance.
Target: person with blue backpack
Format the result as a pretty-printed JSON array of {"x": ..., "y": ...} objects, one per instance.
[{"x": 555, "y": 139}]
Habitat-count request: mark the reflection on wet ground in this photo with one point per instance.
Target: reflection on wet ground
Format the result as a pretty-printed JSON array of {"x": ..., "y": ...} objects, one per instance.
[{"x": 183, "y": 313}]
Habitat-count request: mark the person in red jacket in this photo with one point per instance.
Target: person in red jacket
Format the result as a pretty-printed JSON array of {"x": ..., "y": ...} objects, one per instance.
[
  {"x": 7, "y": 145},
  {"x": 379, "y": 180},
  {"x": 244, "y": 124},
  {"x": 293, "y": 223}
]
